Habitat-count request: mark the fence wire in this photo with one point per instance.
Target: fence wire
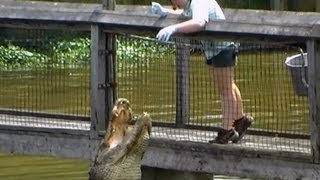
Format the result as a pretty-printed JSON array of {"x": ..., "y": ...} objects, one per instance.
[
  {"x": 45, "y": 82},
  {"x": 179, "y": 92},
  {"x": 44, "y": 78}
]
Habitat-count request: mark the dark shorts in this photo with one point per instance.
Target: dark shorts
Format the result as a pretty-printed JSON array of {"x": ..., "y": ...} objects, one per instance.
[{"x": 225, "y": 58}]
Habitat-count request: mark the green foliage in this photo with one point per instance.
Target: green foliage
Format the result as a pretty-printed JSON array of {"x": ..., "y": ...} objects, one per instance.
[
  {"x": 132, "y": 50},
  {"x": 71, "y": 52},
  {"x": 63, "y": 53},
  {"x": 17, "y": 57}
]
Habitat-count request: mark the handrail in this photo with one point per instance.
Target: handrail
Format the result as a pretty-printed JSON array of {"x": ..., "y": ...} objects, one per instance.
[{"x": 274, "y": 26}]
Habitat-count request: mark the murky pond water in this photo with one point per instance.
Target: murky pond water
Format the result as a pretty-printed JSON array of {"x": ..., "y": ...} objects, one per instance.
[{"x": 25, "y": 167}]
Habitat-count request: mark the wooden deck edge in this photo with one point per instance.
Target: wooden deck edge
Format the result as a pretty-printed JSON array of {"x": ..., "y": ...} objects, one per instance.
[
  {"x": 49, "y": 143},
  {"x": 228, "y": 160},
  {"x": 170, "y": 154},
  {"x": 43, "y": 130}
]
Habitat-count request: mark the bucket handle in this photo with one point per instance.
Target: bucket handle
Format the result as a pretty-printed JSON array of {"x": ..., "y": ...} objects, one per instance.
[{"x": 303, "y": 74}]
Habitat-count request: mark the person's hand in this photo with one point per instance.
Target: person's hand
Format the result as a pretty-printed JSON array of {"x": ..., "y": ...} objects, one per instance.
[
  {"x": 156, "y": 8},
  {"x": 165, "y": 33}
]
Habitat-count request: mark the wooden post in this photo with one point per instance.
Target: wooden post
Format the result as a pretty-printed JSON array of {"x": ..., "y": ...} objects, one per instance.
[
  {"x": 110, "y": 66},
  {"x": 182, "y": 80},
  {"x": 98, "y": 71},
  {"x": 110, "y": 75},
  {"x": 278, "y": 5},
  {"x": 109, "y": 4},
  {"x": 313, "y": 50}
]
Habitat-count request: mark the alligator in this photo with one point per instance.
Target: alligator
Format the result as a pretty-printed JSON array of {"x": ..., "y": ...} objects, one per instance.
[{"x": 120, "y": 152}]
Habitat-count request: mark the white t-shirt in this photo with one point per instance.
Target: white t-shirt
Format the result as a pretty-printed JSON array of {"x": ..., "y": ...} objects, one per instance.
[
  {"x": 206, "y": 10},
  {"x": 203, "y": 10}
]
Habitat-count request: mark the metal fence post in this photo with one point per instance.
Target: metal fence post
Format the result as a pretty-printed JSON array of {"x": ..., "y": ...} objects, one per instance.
[{"x": 313, "y": 49}]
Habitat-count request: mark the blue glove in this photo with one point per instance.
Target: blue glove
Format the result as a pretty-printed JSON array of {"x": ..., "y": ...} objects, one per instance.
[
  {"x": 165, "y": 33},
  {"x": 156, "y": 8}
]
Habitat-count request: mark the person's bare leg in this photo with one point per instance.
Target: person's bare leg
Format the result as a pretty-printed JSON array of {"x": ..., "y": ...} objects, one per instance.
[
  {"x": 231, "y": 101},
  {"x": 237, "y": 93}
]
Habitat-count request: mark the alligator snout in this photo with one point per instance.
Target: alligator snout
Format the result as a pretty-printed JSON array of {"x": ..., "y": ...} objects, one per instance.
[{"x": 123, "y": 145}]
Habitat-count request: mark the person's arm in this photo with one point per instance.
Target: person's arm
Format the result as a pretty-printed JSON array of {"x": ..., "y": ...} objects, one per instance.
[
  {"x": 156, "y": 8},
  {"x": 184, "y": 27},
  {"x": 200, "y": 17},
  {"x": 190, "y": 26},
  {"x": 176, "y": 12}
]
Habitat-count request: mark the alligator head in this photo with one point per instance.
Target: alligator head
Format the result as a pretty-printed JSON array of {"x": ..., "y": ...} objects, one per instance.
[{"x": 121, "y": 150}]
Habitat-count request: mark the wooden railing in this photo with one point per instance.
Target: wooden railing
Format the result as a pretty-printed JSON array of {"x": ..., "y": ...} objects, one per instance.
[{"x": 241, "y": 25}]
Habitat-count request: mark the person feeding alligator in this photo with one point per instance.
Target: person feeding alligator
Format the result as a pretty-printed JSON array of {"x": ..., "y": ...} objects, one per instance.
[{"x": 220, "y": 56}]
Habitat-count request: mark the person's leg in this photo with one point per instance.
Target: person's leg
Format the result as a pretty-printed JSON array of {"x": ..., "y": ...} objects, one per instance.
[
  {"x": 231, "y": 101},
  {"x": 234, "y": 121}
]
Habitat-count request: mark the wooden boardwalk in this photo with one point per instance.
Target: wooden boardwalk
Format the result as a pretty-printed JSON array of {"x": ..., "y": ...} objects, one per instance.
[{"x": 253, "y": 142}]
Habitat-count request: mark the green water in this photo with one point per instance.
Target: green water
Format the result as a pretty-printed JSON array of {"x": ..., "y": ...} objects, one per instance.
[
  {"x": 27, "y": 167},
  {"x": 24, "y": 167},
  {"x": 262, "y": 77},
  {"x": 49, "y": 90},
  {"x": 150, "y": 86}
]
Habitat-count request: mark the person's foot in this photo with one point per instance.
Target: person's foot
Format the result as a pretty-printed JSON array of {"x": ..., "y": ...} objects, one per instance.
[
  {"x": 224, "y": 136},
  {"x": 241, "y": 125}
]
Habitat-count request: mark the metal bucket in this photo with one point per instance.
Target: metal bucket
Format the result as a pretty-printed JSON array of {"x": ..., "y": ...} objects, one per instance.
[{"x": 298, "y": 67}]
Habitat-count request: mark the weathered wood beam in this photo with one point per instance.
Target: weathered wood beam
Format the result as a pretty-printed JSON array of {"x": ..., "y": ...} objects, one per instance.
[
  {"x": 278, "y": 5},
  {"x": 109, "y": 4},
  {"x": 241, "y": 24},
  {"x": 54, "y": 142},
  {"x": 313, "y": 49},
  {"x": 98, "y": 81},
  {"x": 182, "y": 83},
  {"x": 110, "y": 75},
  {"x": 232, "y": 161}
]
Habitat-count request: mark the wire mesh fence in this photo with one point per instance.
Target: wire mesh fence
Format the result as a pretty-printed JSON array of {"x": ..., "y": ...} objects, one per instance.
[
  {"x": 44, "y": 78},
  {"x": 149, "y": 73},
  {"x": 45, "y": 74}
]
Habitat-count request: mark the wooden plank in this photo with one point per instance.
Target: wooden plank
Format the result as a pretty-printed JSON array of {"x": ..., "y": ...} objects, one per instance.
[
  {"x": 110, "y": 76},
  {"x": 54, "y": 144},
  {"x": 175, "y": 149},
  {"x": 263, "y": 17},
  {"x": 278, "y": 5},
  {"x": 179, "y": 155},
  {"x": 182, "y": 82},
  {"x": 313, "y": 49},
  {"x": 228, "y": 160},
  {"x": 263, "y": 24},
  {"x": 282, "y": 147},
  {"x": 108, "y": 4},
  {"x": 98, "y": 80}
]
